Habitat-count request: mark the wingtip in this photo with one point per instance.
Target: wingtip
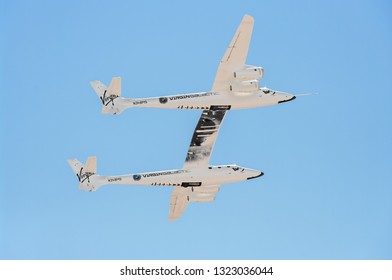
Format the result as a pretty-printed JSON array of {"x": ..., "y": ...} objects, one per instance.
[
  {"x": 248, "y": 18},
  {"x": 116, "y": 78},
  {"x": 94, "y": 82}
]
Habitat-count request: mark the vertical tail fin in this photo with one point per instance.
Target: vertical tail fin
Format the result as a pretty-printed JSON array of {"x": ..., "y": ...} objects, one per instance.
[
  {"x": 91, "y": 165},
  {"x": 88, "y": 180},
  {"x": 110, "y": 96}
]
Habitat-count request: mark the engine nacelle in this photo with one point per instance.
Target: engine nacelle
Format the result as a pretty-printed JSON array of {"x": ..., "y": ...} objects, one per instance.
[
  {"x": 245, "y": 86},
  {"x": 202, "y": 198},
  {"x": 206, "y": 190},
  {"x": 249, "y": 73}
]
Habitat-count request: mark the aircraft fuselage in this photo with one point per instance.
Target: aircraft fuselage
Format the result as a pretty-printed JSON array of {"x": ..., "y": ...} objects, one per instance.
[
  {"x": 204, "y": 100},
  {"x": 212, "y": 175}
]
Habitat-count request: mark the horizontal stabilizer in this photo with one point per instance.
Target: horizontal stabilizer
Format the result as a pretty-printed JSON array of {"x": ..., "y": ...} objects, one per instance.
[{"x": 98, "y": 87}]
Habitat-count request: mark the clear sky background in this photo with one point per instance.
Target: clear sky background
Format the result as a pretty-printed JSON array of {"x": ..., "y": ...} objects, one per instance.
[{"x": 327, "y": 158}]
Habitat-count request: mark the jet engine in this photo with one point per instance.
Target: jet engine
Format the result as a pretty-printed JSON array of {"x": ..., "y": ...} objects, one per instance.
[
  {"x": 202, "y": 198},
  {"x": 245, "y": 86},
  {"x": 249, "y": 73},
  {"x": 204, "y": 194}
]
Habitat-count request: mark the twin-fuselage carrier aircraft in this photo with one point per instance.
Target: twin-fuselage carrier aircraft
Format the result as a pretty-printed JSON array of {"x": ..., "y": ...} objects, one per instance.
[{"x": 236, "y": 86}]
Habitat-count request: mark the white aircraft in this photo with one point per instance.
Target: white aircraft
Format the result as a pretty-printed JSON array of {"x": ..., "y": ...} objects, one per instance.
[
  {"x": 197, "y": 181},
  {"x": 236, "y": 84}
]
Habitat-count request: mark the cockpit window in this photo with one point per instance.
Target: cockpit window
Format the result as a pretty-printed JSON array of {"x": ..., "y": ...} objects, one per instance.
[
  {"x": 236, "y": 168},
  {"x": 266, "y": 91}
]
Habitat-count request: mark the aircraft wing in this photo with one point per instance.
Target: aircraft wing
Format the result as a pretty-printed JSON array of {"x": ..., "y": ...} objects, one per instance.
[
  {"x": 204, "y": 137},
  {"x": 182, "y": 196},
  {"x": 198, "y": 155},
  {"x": 178, "y": 203},
  {"x": 235, "y": 55}
]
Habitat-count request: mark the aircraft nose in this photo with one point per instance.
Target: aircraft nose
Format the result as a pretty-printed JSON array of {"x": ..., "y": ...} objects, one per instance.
[
  {"x": 288, "y": 98},
  {"x": 258, "y": 174}
]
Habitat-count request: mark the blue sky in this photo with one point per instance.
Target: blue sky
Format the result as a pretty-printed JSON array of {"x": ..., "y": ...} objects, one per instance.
[{"x": 327, "y": 158}]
